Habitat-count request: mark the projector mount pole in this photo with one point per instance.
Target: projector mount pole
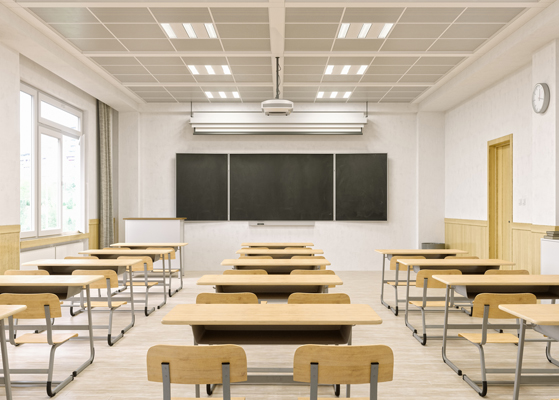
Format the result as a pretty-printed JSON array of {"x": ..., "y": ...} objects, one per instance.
[{"x": 277, "y": 78}]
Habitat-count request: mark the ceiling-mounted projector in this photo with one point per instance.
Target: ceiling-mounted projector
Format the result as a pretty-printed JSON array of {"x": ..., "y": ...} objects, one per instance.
[{"x": 277, "y": 106}]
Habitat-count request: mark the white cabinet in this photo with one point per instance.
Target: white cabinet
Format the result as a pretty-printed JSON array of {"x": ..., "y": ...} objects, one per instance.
[{"x": 549, "y": 257}]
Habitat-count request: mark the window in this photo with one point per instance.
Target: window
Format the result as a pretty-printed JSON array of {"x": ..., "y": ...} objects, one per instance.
[{"x": 51, "y": 169}]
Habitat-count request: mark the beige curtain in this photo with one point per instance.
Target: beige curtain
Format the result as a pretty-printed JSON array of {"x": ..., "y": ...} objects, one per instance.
[{"x": 105, "y": 126}]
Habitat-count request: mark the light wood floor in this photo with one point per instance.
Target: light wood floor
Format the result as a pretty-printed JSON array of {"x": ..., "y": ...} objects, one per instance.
[{"x": 119, "y": 372}]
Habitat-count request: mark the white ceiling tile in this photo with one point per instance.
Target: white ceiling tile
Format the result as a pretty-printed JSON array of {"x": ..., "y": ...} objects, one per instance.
[
  {"x": 246, "y": 44},
  {"x": 214, "y": 78},
  {"x": 313, "y": 15},
  {"x": 197, "y": 44},
  {"x": 357, "y": 44},
  {"x": 357, "y": 15},
  {"x": 144, "y": 89},
  {"x": 420, "y": 78},
  {"x": 443, "y": 69},
  {"x": 168, "y": 70},
  {"x": 240, "y": 15},
  {"x": 311, "y": 31},
  {"x": 417, "y": 31},
  {"x": 160, "y": 60},
  {"x": 471, "y": 31},
  {"x": 135, "y": 78},
  {"x": 251, "y": 69},
  {"x": 407, "y": 44},
  {"x": 182, "y": 15},
  {"x": 439, "y": 60},
  {"x": 388, "y": 69},
  {"x": 409, "y": 89},
  {"x": 394, "y": 60},
  {"x": 303, "y": 69},
  {"x": 137, "y": 31},
  {"x": 205, "y": 60},
  {"x": 308, "y": 44},
  {"x": 64, "y": 15},
  {"x": 350, "y": 60},
  {"x": 253, "y": 78},
  {"x": 428, "y": 14},
  {"x": 147, "y": 44},
  {"x": 137, "y": 15},
  {"x": 381, "y": 78},
  {"x": 126, "y": 69},
  {"x": 488, "y": 15},
  {"x": 292, "y": 60},
  {"x": 249, "y": 61},
  {"x": 457, "y": 44},
  {"x": 83, "y": 31},
  {"x": 302, "y": 78},
  {"x": 246, "y": 31},
  {"x": 98, "y": 44},
  {"x": 341, "y": 78},
  {"x": 174, "y": 78},
  {"x": 115, "y": 60}
]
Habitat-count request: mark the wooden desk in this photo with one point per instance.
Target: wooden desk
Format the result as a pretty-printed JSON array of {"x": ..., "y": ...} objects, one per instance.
[
  {"x": 280, "y": 253},
  {"x": 7, "y": 312},
  {"x": 277, "y": 245},
  {"x": 387, "y": 254},
  {"x": 276, "y": 266},
  {"x": 544, "y": 318},
  {"x": 543, "y": 286},
  {"x": 57, "y": 284},
  {"x": 270, "y": 286},
  {"x": 175, "y": 246}
]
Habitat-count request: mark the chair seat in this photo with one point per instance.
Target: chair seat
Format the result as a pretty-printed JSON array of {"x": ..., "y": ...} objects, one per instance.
[
  {"x": 114, "y": 304},
  {"x": 491, "y": 337},
  {"x": 142, "y": 284},
  {"x": 400, "y": 283},
  {"x": 41, "y": 338},
  {"x": 419, "y": 303}
]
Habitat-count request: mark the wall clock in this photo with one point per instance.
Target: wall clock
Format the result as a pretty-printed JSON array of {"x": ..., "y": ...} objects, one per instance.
[{"x": 540, "y": 98}]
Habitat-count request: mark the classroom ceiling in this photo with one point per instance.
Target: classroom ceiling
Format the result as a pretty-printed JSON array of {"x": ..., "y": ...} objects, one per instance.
[{"x": 210, "y": 51}]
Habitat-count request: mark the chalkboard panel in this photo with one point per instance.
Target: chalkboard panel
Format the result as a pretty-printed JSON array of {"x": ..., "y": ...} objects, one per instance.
[
  {"x": 282, "y": 187},
  {"x": 202, "y": 187},
  {"x": 361, "y": 187}
]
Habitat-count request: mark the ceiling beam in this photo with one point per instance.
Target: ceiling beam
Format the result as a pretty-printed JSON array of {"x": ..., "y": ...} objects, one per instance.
[
  {"x": 269, "y": 85},
  {"x": 287, "y": 54}
]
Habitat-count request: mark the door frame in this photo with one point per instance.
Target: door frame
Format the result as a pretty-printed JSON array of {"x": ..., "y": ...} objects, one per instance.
[{"x": 492, "y": 146}]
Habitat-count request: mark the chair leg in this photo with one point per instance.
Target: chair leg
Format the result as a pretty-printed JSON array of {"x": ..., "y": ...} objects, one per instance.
[
  {"x": 423, "y": 338},
  {"x": 483, "y": 391},
  {"x": 548, "y": 355},
  {"x": 62, "y": 384}
]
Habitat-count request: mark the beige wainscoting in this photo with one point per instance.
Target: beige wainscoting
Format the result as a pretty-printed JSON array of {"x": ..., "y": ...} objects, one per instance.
[
  {"x": 9, "y": 247},
  {"x": 93, "y": 234},
  {"x": 473, "y": 236}
]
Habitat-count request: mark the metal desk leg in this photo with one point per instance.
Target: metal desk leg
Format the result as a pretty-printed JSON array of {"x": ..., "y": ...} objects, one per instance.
[
  {"x": 7, "y": 382},
  {"x": 383, "y": 282},
  {"x": 90, "y": 329},
  {"x": 180, "y": 269},
  {"x": 445, "y": 333},
  {"x": 518, "y": 374}
]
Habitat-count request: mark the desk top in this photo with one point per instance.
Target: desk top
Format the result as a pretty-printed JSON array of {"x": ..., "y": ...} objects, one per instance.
[
  {"x": 270, "y": 280},
  {"x": 499, "y": 280},
  {"x": 278, "y": 244},
  {"x": 275, "y": 262},
  {"x": 8, "y": 311},
  {"x": 83, "y": 263},
  {"x": 420, "y": 252},
  {"x": 303, "y": 251},
  {"x": 272, "y": 314},
  {"x": 141, "y": 245},
  {"x": 539, "y": 314},
  {"x": 48, "y": 280},
  {"x": 133, "y": 252},
  {"x": 454, "y": 262}
]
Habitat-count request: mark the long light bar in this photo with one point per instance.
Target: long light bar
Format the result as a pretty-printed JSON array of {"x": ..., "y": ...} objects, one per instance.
[
  {"x": 169, "y": 31},
  {"x": 347, "y": 95},
  {"x": 343, "y": 31},
  {"x": 364, "y": 31},
  {"x": 209, "y": 95},
  {"x": 362, "y": 70},
  {"x": 333, "y": 95},
  {"x": 320, "y": 95},
  {"x": 210, "y": 69},
  {"x": 226, "y": 69},
  {"x": 222, "y": 95},
  {"x": 236, "y": 95},
  {"x": 190, "y": 31},
  {"x": 329, "y": 69},
  {"x": 193, "y": 70},
  {"x": 211, "y": 30},
  {"x": 385, "y": 31},
  {"x": 345, "y": 69}
]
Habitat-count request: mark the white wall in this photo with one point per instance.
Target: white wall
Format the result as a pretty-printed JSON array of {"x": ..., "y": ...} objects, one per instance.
[{"x": 348, "y": 245}]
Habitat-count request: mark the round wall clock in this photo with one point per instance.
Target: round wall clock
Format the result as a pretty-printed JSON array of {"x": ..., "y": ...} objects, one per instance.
[{"x": 540, "y": 98}]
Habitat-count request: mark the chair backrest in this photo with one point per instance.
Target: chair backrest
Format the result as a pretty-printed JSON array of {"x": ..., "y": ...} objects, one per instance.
[
  {"x": 463, "y": 257},
  {"x": 226, "y": 298},
  {"x": 81, "y": 258},
  {"x": 100, "y": 284},
  {"x": 166, "y": 250},
  {"x": 507, "y": 272},
  {"x": 312, "y": 272},
  {"x": 343, "y": 364},
  {"x": 26, "y": 272},
  {"x": 197, "y": 365},
  {"x": 245, "y": 272},
  {"x": 258, "y": 257},
  {"x": 35, "y": 304},
  {"x": 318, "y": 298},
  {"x": 120, "y": 248},
  {"x": 433, "y": 283},
  {"x": 307, "y": 257},
  {"x": 493, "y": 300},
  {"x": 293, "y": 248},
  {"x": 394, "y": 260},
  {"x": 146, "y": 259}
]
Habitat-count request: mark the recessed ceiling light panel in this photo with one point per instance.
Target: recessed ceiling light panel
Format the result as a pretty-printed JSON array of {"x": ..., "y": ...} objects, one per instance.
[
  {"x": 226, "y": 69},
  {"x": 345, "y": 69},
  {"x": 210, "y": 69},
  {"x": 211, "y": 30},
  {"x": 209, "y": 95},
  {"x": 364, "y": 31},
  {"x": 343, "y": 31},
  {"x": 385, "y": 31},
  {"x": 329, "y": 69},
  {"x": 320, "y": 95},
  {"x": 222, "y": 95},
  {"x": 362, "y": 70},
  {"x": 333, "y": 95},
  {"x": 190, "y": 31},
  {"x": 169, "y": 31},
  {"x": 236, "y": 95},
  {"x": 347, "y": 95},
  {"x": 193, "y": 70}
]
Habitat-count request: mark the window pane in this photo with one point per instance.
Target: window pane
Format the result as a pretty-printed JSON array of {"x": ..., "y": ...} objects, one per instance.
[
  {"x": 50, "y": 182},
  {"x": 59, "y": 116},
  {"x": 26, "y": 208},
  {"x": 71, "y": 184}
]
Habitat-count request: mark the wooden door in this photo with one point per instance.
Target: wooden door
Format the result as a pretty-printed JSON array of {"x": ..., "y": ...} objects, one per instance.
[{"x": 500, "y": 198}]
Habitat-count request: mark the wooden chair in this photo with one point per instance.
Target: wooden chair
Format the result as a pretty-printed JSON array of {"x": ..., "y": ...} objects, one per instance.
[
  {"x": 245, "y": 272},
  {"x": 310, "y": 257},
  {"x": 81, "y": 258},
  {"x": 26, "y": 272},
  {"x": 318, "y": 298},
  {"x": 166, "y": 258},
  {"x": 485, "y": 306},
  {"x": 110, "y": 282},
  {"x": 397, "y": 282},
  {"x": 507, "y": 272},
  {"x": 39, "y": 306},
  {"x": 257, "y": 257},
  {"x": 207, "y": 365},
  {"x": 424, "y": 280},
  {"x": 312, "y": 272},
  {"x": 147, "y": 282},
  {"x": 348, "y": 365},
  {"x": 226, "y": 298},
  {"x": 462, "y": 257}
]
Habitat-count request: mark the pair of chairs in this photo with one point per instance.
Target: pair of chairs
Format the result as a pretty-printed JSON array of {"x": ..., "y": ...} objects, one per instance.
[{"x": 251, "y": 298}]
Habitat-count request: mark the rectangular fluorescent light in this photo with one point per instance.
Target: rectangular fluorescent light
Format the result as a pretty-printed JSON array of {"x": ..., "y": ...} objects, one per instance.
[
  {"x": 329, "y": 69},
  {"x": 385, "y": 31},
  {"x": 222, "y": 95},
  {"x": 209, "y": 95},
  {"x": 190, "y": 31},
  {"x": 169, "y": 31},
  {"x": 345, "y": 69},
  {"x": 333, "y": 95},
  {"x": 211, "y": 30},
  {"x": 361, "y": 70},
  {"x": 226, "y": 69},
  {"x": 364, "y": 31},
  {"x": 210, "y": 70},
  {"x": 193, "y": 70},
  {"x": 236, "y": 95},
  {"x": 346, "y": 95},
  {"x": 343, "y": 31},
  {"x": 320, "y": 94}
]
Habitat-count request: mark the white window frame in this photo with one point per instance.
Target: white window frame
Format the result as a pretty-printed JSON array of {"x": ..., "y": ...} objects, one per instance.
[{"x": 45, "y": 126}]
